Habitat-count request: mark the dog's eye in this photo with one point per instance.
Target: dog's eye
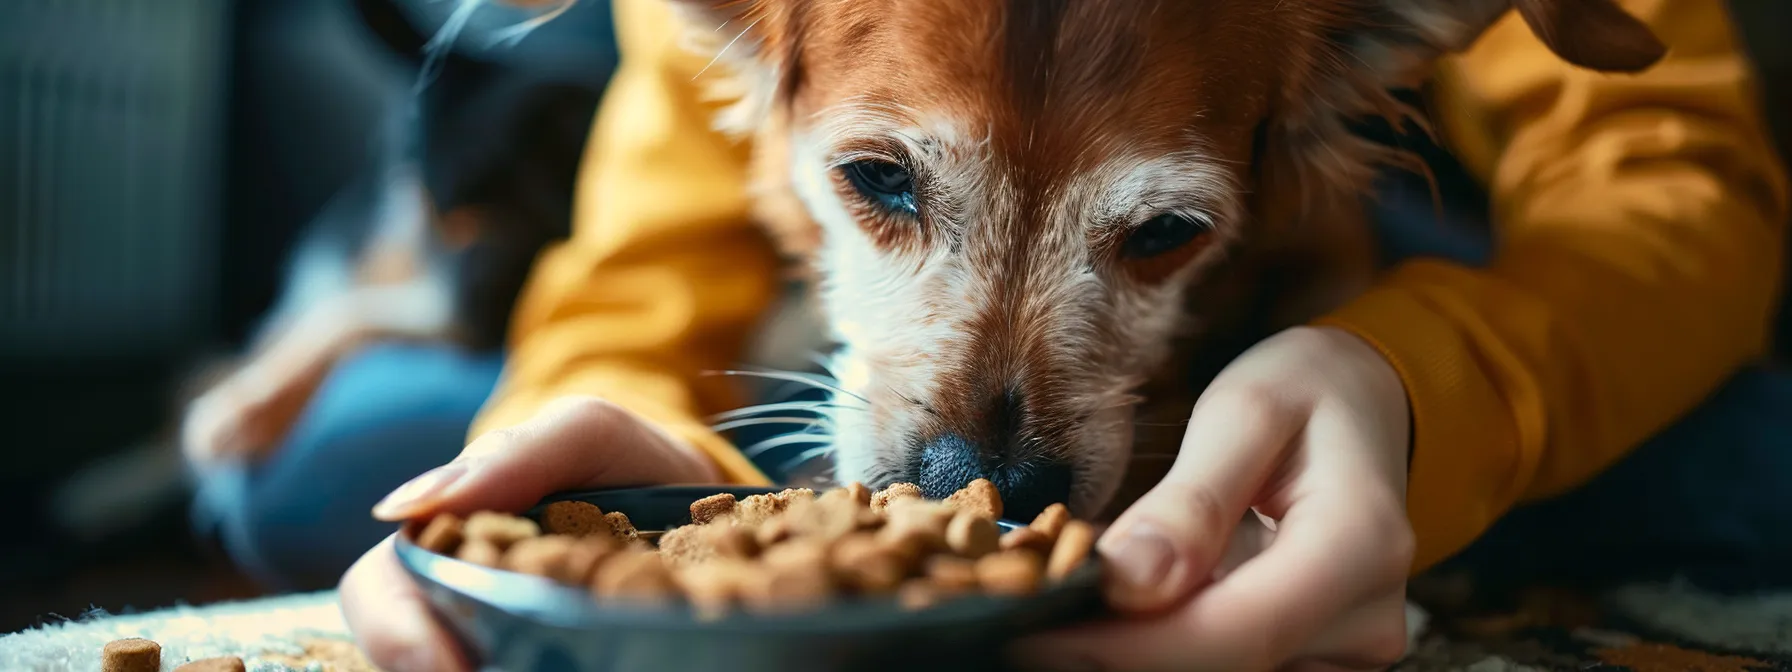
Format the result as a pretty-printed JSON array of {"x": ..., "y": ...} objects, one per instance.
[
  {"x": 1159, "y": 235},
  {"x": 884, "y": 183}
]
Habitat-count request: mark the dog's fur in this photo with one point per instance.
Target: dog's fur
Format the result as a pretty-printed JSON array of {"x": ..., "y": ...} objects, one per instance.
[{"x": 1039, "y": 133}]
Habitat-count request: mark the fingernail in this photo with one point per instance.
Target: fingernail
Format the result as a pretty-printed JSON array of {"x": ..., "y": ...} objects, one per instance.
[
  {"x": 1142, "y": 562},
  {"x": 408, "y": 497}
]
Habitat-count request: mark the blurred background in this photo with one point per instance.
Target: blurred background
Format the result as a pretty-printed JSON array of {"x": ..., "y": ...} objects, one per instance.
[
  {"x": 163, "y": 164},
  {"x": 166, "y": 169}
]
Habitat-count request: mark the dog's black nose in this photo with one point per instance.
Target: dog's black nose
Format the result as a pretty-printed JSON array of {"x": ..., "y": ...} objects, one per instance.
[{"x": 948, "y": 462}]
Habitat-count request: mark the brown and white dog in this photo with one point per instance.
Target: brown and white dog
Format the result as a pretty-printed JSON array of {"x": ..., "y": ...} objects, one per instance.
[{"x": 1034, "y": 223}]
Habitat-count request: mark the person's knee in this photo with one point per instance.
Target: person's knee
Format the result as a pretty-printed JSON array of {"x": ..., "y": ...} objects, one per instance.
[
  {"x": 383, "y": 415},
  {"x": 390, "y": 383}
]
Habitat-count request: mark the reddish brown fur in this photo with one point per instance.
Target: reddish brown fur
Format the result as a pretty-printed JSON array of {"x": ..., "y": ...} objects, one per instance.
[{"x": 1063, "y": 87}]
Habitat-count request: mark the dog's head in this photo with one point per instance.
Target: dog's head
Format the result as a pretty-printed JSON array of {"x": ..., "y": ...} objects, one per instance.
[{"x": 1017, "y": 199}]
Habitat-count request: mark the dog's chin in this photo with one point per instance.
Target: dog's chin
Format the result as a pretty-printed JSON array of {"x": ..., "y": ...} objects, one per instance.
[{"x": 1101, "y": 462}]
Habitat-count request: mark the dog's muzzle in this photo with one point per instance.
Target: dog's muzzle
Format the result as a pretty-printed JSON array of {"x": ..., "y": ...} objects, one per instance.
[{"x": 948, "y": 462}]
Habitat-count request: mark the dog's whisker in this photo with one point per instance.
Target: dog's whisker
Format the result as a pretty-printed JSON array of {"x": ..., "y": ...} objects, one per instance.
[
  {"x": 725, "y": 48},
  {"x": 760, "y": 448},
  {"x": 778, "y": 407},
  {"x": 776, "y": 420},
  {"x": 822, "y": 361},
  {"x": 794, "y": 377},
  {"x": 805, "y": 456}
]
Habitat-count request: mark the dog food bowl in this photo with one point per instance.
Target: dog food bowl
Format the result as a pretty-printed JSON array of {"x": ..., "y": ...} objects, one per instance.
[{"x": 520, "y": 623}]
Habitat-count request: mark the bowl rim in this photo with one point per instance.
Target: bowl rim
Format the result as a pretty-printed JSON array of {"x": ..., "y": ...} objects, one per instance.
[{"x": 547, "y": 601}]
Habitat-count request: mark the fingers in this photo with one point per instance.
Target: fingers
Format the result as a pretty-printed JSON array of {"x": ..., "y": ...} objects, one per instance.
[
  {"x": 391, "y": 620},
  {"x": 1170, "y": 541},
  {"x": 573, "y": 443},
  {"x": 1328, "y": 557}
]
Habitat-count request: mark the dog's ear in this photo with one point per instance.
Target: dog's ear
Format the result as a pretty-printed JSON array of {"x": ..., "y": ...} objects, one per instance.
[{"x": 1593, "y": 34}]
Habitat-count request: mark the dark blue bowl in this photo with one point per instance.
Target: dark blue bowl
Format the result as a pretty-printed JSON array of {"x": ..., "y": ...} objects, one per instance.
[{"x": 519, "y": 623}]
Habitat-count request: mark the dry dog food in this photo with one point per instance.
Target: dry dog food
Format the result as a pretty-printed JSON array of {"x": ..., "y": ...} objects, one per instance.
[
  {"x": 578, "y": 519},
  {"x": 782, "y": 552},
  {"x": 131, "y": 655}
]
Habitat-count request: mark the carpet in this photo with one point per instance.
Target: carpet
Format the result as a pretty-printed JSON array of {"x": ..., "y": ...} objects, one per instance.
[{"x": 1646, "y": 628}]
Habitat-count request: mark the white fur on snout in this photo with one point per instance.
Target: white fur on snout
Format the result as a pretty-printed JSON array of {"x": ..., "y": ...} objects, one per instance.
[{"x": 905, "y": 319}]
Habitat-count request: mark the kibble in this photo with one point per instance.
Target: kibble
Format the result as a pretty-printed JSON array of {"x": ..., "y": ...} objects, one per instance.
[
  {"x": 1050, "y": 521},
  {"x": 1009, "y": 573},
  {"x": 569, "y": 560},
  {"x": 865, "y": 565},
  {"x": 499, "y": 529},
  {"x": 952, "y": 573},
  {"x": 1028, "y": 539},
  {"x": 621, "y": 527},
  {"x": 758, "y": 510},
  {"x": 1072, "y": 549},
  {"x": 918, "y": 594},
  {"x": 980, "y": 498},
  {"x": 789, "y": 588},
  {"x": 131, "y": 655},
  {"x": 734, "y": 543},
  {"x": 443, "y": 534},
  {"x": 541, "y": 556},
  {"x": 858, "y": 493},
  {"x": 574, "y": 518},
  {"x": 916, "y": 527},
  {"x": 972, "y": 536},
  {"x": 711, "y": 508},
  {"x": 481, "y": 552},
  {"x": 772, "y": 532},
  {"x": 806, "y": 554},
  {"x": 713, "y": 588},
  {"x": 638, "y": 576},
  {"x": 824, "y": 520},
  {"x": 793, "y": 495},
  {"x": 781, "y": 553},
  {"x": 894, "y": 492}
]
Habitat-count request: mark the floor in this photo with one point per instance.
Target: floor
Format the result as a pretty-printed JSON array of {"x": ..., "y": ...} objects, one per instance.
[{"x": 47, "y": 575}]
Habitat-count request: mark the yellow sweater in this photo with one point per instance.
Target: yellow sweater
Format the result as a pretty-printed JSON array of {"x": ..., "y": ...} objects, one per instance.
[{"x": 1638, "y": 218}]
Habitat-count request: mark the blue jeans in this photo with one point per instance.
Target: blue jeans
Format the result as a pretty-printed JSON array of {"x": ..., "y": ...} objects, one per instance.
[
  {"x": 1701, "y": 500},
  {"x": 384, "y": 415}
]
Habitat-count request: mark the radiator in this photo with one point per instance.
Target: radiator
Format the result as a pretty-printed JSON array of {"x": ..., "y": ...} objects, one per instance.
[{"x": 111, "y": 131}]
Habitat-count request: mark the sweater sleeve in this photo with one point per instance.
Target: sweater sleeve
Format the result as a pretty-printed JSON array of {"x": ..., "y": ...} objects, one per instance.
[
  {"x": 664, "y": 275},
  {"x": 1639, "y": 242}
]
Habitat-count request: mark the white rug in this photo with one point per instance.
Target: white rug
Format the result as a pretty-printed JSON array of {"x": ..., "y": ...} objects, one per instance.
[
  {"x": 271, "y": 635},
  {"x": 305, "y": 633}
]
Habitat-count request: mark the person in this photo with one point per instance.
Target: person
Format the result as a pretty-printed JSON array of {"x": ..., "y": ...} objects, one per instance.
[
  {"x": 285, "y": 495},
  {"x": 1632, "y": 270}
]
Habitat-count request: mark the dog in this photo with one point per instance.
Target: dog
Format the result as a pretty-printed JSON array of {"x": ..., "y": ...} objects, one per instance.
[
  {"x": 1036, "y": 225},
  {"x": 431, "y": 244}
]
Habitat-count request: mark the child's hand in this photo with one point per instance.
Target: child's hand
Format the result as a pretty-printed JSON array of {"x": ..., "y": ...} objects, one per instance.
[
  {"x": 574, "y": 443},
  {"x": 1309, "y": 428}
]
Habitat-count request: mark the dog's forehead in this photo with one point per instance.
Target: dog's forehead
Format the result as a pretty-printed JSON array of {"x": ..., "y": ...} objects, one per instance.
[{"x": 1059, "y": 83}]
